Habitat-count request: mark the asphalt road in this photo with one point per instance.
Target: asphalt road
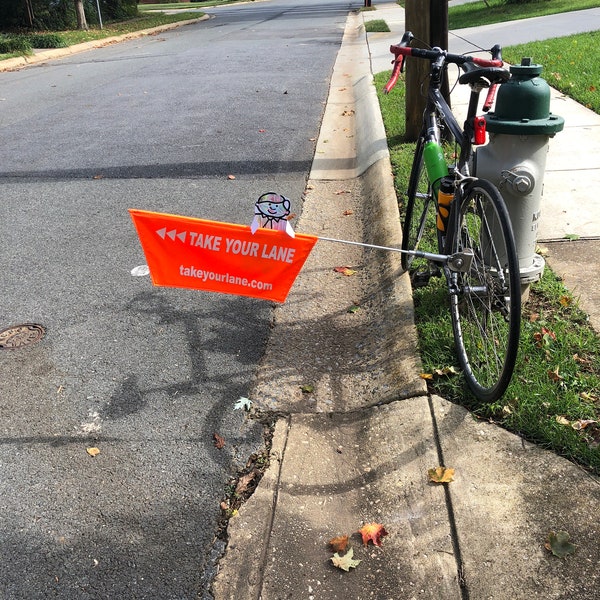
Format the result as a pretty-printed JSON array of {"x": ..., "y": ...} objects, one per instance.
[{"x": 146, "y": 375}]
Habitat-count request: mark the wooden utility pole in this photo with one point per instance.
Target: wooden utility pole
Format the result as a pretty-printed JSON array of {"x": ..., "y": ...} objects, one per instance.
[
  {"x": 428, "y": 21},
  {"x": 439, "y": 34},
  {"x": 416, "y": 14}
]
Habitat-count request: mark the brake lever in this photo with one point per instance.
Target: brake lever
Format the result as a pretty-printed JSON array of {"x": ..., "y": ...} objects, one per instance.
[{"x": 407, "y": 38}]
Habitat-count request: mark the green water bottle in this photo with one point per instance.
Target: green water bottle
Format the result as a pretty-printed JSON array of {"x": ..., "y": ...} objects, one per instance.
[{"x": 435, "y": 164}]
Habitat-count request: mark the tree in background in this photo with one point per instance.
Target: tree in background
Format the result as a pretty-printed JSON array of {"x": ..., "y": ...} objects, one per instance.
[
  {"x": 80, "y": 12},
  {"x": 59, "y": 15}
]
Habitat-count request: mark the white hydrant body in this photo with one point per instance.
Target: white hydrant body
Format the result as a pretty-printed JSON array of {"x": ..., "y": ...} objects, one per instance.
[{"x": 514, "y": 158}]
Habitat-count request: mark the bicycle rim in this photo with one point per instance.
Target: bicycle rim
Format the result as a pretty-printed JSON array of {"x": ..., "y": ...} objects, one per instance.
[
  {"x": 486, "y": 300},
  {"x": 419, "y": 215}
]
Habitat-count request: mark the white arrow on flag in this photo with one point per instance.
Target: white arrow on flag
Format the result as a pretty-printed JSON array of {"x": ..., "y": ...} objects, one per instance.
[{"x": 163, "y": 233}]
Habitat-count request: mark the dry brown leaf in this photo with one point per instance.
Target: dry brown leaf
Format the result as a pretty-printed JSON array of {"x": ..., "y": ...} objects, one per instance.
[
  {"x": 580, "y": 360},
  {"x": 244, "y": 482},
  {"x": 219, "y": 441},
  {"x": 447, "y": 371},
  {"x": 441, "y": 474},
  {"x": 566, "y": 301},
  {"x": 582, "y": 423},
  {"x": 339, "y": 543},
  {"x": 554, "y": 375},
  {"x": 346, "y": 271}
]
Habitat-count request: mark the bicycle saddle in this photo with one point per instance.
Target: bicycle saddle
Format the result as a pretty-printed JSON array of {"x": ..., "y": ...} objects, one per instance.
[{"x": 483, "y": 75}]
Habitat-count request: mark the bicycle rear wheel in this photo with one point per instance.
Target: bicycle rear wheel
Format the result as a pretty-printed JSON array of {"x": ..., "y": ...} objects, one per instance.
[
  {"x": 485, "y": 301},
  {"x": 419, "y": 214}
]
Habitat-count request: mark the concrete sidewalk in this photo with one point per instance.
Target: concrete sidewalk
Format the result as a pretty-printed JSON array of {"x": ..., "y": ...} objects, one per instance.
[{"x": 357, "y": 449}]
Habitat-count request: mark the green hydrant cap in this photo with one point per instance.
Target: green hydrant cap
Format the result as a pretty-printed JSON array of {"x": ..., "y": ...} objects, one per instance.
[{"x": 523, "y": 104}]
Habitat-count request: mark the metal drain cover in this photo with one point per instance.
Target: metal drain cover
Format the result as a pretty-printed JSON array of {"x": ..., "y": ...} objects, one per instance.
[{"x": 19, "y": 336}]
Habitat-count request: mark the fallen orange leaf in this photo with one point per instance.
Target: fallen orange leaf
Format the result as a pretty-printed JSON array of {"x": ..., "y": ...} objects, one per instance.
[
  {"x": 566, "y": 301},
  {"x": 373, "y": 532}
]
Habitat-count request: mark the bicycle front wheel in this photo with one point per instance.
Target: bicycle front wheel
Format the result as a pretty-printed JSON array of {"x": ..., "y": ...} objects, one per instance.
[
  {"x": 486, "y": 300},
  {"x": 419, "y": 214}
]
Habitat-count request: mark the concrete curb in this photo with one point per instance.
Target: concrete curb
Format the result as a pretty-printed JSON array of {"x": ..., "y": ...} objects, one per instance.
[
  {"x": 249, "y": 533},
  {"x": 349, "y": 108},
  {"x": 371, "y": 357},
  {"x": 12, "y": 64}
]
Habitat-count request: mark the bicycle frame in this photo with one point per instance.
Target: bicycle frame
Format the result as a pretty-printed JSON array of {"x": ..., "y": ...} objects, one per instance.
[
  {"x": 469, "y": 220},
  {"x": 438, "y": 110},
  {"x": 438, "y": 113}
]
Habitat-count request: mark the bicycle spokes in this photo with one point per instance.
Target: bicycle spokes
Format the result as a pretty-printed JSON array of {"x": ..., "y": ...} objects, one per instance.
[{"x": 485, "y": 300}]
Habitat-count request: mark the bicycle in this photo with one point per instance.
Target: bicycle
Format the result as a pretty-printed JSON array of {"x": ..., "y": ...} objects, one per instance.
[{"x": 466, "y": 218}]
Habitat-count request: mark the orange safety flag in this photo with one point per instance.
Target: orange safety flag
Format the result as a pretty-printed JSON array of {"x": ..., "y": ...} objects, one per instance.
[{"x": 220, "y": 257}]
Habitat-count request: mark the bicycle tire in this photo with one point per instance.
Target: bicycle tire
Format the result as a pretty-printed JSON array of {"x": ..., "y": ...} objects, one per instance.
[
  {"x": 419, "y": 214},
  {"x": 485, "y": 301}
]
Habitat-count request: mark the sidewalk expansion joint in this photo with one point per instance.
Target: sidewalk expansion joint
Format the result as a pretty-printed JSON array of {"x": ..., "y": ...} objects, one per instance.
[{"x": 464, "y": 590}]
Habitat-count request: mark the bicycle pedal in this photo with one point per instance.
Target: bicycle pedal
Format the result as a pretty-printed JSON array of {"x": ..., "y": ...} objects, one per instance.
[{"x": 420, "y": 279}]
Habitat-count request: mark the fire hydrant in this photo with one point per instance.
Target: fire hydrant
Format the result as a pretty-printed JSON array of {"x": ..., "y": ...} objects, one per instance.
[{"x": 515, "y": 157}]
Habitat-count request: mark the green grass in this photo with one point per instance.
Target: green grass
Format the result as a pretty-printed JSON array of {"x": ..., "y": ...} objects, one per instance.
[
  {"x": 375, "y": 26},
  {"x": 149, "y": 16},
  {"x": 477, "y": 13},
  {"x": 556, "y": 386},
  {"x": 144, "y": 21},
  {"x": 571, "y": 65}
]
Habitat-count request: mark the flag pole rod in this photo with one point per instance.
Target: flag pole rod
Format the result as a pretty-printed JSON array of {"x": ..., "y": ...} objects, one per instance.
[
  {"x": 391, "y": 248},
  {"x": 459, "y": 261}
]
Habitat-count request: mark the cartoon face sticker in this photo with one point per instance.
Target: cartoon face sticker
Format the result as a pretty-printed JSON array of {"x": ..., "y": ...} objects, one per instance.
[
  {"x": 271, "y": 211},
  {"x": 272, "y": 207}
]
